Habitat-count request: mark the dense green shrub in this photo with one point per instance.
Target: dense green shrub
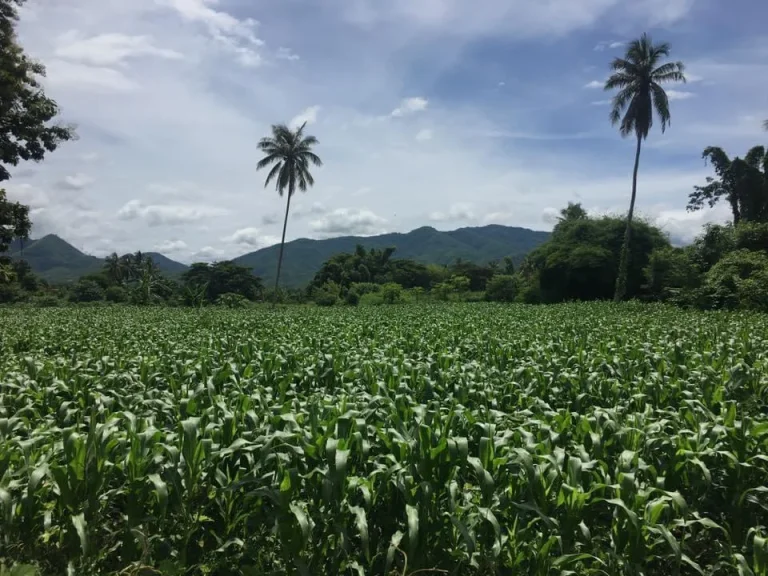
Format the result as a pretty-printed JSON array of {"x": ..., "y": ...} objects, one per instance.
[
  {"x": 232, "y": 300},
  {"x": 502, "y": 288},
  {"x": 327, "y": 295},
  {"x": 86, "y": 290},
  {"x": 670, "y": 272},
  {"x": 739, "y": 280},
  {"x": 116, "y": 294},
  {"x": 392, "y": 293}
]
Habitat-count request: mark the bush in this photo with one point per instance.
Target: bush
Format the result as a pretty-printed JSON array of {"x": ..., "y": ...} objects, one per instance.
[
  {"x": 752, "y": 236},
  {"x": 671, "y": 270},
  {"x": 232, "y": 300},
  {"x": 502, "y": 288},
  {"x": 352, "y": 298},
  {"x": 327, "y": 295},
  {"x": 392, "y": 293},
  {"x": 86, "y": 290},
  {"x": 371, "y": 299},
  {"x": 47, "y": 301},
  {"x": 739, "y": 280},
  {"x": 116, "y": 294}
]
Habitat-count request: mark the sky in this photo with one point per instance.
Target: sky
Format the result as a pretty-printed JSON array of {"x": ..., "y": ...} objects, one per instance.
[{"x": 443, "y": 113}]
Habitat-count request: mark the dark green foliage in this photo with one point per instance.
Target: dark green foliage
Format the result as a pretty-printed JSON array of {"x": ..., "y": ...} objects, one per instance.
[
  {"x": 739, "y": 280},
  {"x": 116, "y": 294},
  {"x": 502, "y": 288},
  {"x": 327, "y": 295},
  {"x": 232, "y": 301},
  {"x": 670, "y": 272},
  {"x": 304, "y": 257},
  {"x": 743, "y": 183},
  {"x": 14, "y": 222},
  {"x": 392, "y": 293},
  {"x": 361, "y": 266},
  {"x": 580, "y": 261},
  {"x": 752, "y": 236},
  {"x": 712, "y": 245},
  {"x": 26, "y": 132},
  {"x": 222, "y": 278},
  {"x": 86, "y": 290}
]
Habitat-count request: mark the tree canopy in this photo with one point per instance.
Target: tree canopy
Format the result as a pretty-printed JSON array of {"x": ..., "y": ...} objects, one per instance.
[
  {"x": 26, "y": 131},
  {"x": 743, "y": 183}
]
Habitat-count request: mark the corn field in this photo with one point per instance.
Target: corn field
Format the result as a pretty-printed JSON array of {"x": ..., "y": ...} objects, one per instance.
[{"x": 465, "y": 439}]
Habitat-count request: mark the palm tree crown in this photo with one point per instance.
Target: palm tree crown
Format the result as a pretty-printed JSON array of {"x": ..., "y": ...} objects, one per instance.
[
  {"x": 638, "y": 77},
  {"x": 291, "y": 153}
]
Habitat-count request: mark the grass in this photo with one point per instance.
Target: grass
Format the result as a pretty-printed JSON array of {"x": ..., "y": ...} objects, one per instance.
[{"x": 430, "y": 439}]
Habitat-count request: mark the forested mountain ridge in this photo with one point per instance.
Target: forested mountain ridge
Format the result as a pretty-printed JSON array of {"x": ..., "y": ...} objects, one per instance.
[{"x": 55, "y": 260}]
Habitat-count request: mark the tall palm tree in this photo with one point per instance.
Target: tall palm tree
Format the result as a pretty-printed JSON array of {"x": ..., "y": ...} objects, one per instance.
[
  {"x": 114, "y": 267},
  {"x": 638, "y": 76},
  {"x": 291, "y": 153}
]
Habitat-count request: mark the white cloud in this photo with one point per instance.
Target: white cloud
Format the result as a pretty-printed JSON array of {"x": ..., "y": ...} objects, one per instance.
[
  {"x": 308, "y": 116},
  {"x": 349, "y": 221},
  {"x": 679, "y": 95},
  {"x": 683, "y": 226},
  {"x": 600, "y": 102},
  {"x": 171, "y": 246},
  {"x": 83, "y": 78},
  {"x": 286, "y": 54},
  {"x": 168, "y": 214},
  {"x": 77, "y": 181},
  {"x": 502, "y": 84},
  {"x": 234, "y": 35},
  {"x": 28, "y": 194},
  {"x": 410, "y": 106},
  {"x": 458, "y": 212},
  {"x": 252, "y": 238},
  {"x": 424, "y": 135},
  {"x": 109, "y": 49},
  {"x": 616, "y": 45},
  {"x": 594, "y": 84},
  {"x": 208, "y": 254}
]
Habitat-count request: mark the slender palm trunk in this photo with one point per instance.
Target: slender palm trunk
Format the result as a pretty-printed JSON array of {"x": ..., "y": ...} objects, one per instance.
[
  {"x": 621, "y": 279},
  {"x": 282, "y": 242}
]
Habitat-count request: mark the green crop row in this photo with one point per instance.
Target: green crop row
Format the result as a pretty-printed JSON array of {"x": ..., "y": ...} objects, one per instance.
[{"x": 458, "y": 439}]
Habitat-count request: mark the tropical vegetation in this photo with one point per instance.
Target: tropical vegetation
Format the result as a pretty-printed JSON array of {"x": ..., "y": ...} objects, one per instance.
[
  {"x": 639, "y": 76},
  {"x": 289, "y": 153},
  {"x": 459, "y": 439}
]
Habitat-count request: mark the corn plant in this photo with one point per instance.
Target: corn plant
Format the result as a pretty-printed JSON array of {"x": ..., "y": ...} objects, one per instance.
[{"x": 465, "y": 439}]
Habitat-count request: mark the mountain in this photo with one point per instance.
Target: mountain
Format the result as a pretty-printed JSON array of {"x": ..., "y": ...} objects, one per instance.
[
  {"x": 57, "y": 261},
  {"x": 303, "y": 258}
]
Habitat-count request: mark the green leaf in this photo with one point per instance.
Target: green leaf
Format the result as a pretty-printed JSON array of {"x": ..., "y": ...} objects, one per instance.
[
  {"x": 361, "y": 523},
  {"x": 394, "y": 544},
  {"x": 78, "y": 521},
  {"x": 412, "y": 514}
]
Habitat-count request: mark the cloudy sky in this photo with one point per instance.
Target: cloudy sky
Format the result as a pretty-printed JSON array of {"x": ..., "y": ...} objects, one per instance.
[{"x": 446, "y": 113}]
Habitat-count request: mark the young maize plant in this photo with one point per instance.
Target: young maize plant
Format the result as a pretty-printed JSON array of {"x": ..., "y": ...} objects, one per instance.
[{"x": 460, "y": 439}]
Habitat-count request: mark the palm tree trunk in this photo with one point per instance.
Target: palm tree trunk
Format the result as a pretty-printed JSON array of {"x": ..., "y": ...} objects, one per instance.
[
  {"x": 621, "y": 279},
  {"x": 282, "y": 242}
]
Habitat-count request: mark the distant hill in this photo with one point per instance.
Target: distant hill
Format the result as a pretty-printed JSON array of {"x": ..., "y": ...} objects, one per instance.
[
  {"x": 303, "y": 258},
  {"x": 57, "y": 261}
]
